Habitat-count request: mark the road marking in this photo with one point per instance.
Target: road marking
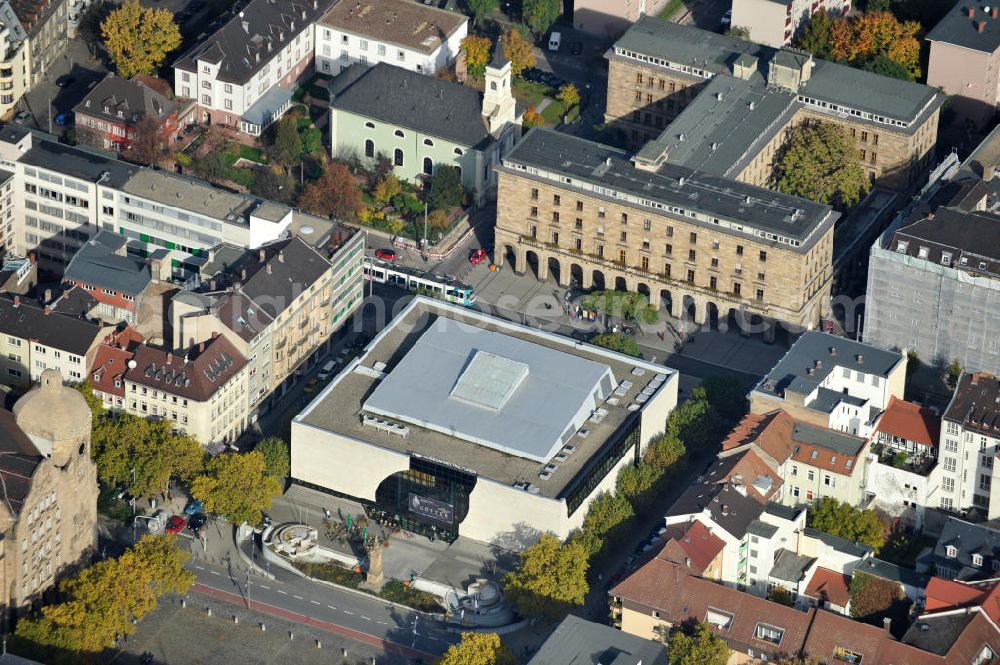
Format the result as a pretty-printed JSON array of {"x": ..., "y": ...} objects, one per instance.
[
  {"x": 215, "y": 572},
  {"x": 346, "y": 612},
  {"x": 200, "y": 567},
  {"x": 299, "y": 597},
  {"x": 314, "y": 602},
  {"x": 262, "y": 586},
  {"x": 383, "y": 623},
  {"x": 280, "y": 591},
  {"x": 365, "y": 618},
  {"x": 331, "y": 607},
  {"x": 431, "y": 637}
]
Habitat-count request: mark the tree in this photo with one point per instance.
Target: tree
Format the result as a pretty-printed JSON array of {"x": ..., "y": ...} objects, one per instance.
[
  {"x": 212, "y": 166},
  {"x": 695, "y": 422},
  {"x": 478, "y": 649},
  {"x": 477, "y": 54},
  {"x": 820, "y": 162},
  {"x": 878, "y": 6},
  {"x": 816, "y": 35},
  {"x": 446, "y": 188},
  {"x": 541, "y": 14},
  {"x": 106, "y": 600},
  {"x": 334, "y": 194},
  {"x": 882, "y": 65},
  {"x": 618, "y": 342},
  {"x": 727, "y": 395},
  {"x": 874, "y": 599},
  {"x": 739, "y": 32},
  {"x": 665, "y": 452},
  {"x": 863, "y": 37},
  {"x": 277, "y": 458},
  {"x": 550, "y": 578},
  {"x": 146, "y": 143},
  {"x": 697, "y": 646},
  {"x": 438, "y": 220},
  {"x": 781, "y": 595},
  {"x": 143, "y": 455},
  {"x": 954, "y": 373},
  {"x": 237, "y": 487},
  {"x": 481, "y": 9},
  {"x": 272, "y": 184},
  {"x": 608, "y": 513},
  {"x": 842, "y": 519},
  {"x": 518, "y": 50},
  {"x": 139, "y": 38},
  {"x": 312, "y": 141},
  {"x": 532, "y": 118},
  {"x": 386, "y": 189},
  {"x": 634, "y": 482},
  {"x": 568, "y": 95},
  {"x": 287, "y": 148},
  {"x": 89, "y": 29},
  {"x": 86, "y": 388}
]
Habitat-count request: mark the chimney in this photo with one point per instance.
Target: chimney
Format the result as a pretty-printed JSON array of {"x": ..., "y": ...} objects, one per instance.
[
  {"x": 980, "y": 26},
  {"x": 971, "y": 11},
  {"x": 989, "y": 171},
  {"x": 268, "y": 268},
  {"x": 887, "y": 624},
  {"x": 201, "y": 347},
  {"x": 861, "y": 359},
  {"x": 725, "y": 509},
  {"x": 281, "y": 256},
  {"x": 48, "y": 296},
  {"x": 17, "y": 301},
  {"x": 215, "y": 334},
  {"x": 687, "y": 561},
  {"x": 48, "y": 310},
  {"x": 243, "y": 274},
  {"x": 262, "y": 256},
  {"x": 994, "y": 11},
  {"x": 833, "y": 350},
  {"x": 211, "y": 284}
]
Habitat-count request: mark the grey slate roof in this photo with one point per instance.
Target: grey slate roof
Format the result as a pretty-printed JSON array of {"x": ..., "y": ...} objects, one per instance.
[
  {"x": 77, "y": 162},
  {"x": 253, "y": 37},
  {"x": 967, "y": 539},
  {"x": 762, "y": 529},
  {"x": 838, "y": 442},
  {"x": 729, "y": 509},
  {"x": 892, "y": 572},
  {"x": 133, "y": 99},
  {"x": 29, "y": 321},
  {"x": 830, "y": 82},
  {"x": 102, "y": 262},
  {"x": 424, "y": 104},
  {"x": 976, "y": 404},
  {"x": 937, "y": 634},
  {"x": 974, "y": 236},
  {"x": 789, "y": 566},
  {"x": 813, "y": 346},
  {"x": 956, "y": 27},
  {"x": 715, "y": 197},
  {"x": 840, "y": 544},
  {"x": 780, "y": 510},
  {"x": 579, "y": 642}
]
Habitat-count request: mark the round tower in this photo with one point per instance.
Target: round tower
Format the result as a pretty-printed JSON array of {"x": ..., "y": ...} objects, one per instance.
[{"x": 56, "y": 418}]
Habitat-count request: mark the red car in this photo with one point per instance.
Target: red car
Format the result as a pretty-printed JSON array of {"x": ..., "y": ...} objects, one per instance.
[
  {"x": 477, "y": 256},
  {"x": 386, "y": 254},
  {"x": 175, "y": 524}
]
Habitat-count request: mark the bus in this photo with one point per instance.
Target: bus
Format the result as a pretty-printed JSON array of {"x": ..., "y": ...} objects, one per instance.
[{"x": 436, "y": 286}]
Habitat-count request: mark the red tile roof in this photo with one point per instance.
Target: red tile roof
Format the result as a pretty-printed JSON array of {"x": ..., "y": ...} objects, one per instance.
[
  {"x": 831, "y": 586},
  {"x": 911, "y": 422},
  {"x": 945, "y": 594},
  {"x": 695, "y": 543},
  {"x": 206, "y": 368},
  {"x": 746, "y": 467},
  {"x": 111, "y": 361}
]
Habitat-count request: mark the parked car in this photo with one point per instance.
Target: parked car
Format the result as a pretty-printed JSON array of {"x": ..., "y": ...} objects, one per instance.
[
  {"x": 326, "y": 370},
  {"x": 196, "y": 521},
  {"x": 727, "y": 18},
  {"x": 62, "y": 119},
  {"x": 194, "y": 506},
  {"x": 175, "y": 524},
  {"x": 22, "y": 117},
  {"x": 311, "y": 385},
  {"x": 386, "y": 254},
  {"x": 477, "y": 256}
]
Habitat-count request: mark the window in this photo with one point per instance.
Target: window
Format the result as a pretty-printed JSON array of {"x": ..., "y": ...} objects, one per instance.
[
  {"x": 369, "y": 148},
  {"x": 949, "y": 464},
  {"x": 737, "y": 288},
  {"x": 694, "y": 237},
  {"x": 811, "y": 474},
  {"x": 951, "y": 445},
  {"x": 344, "y": 39},
  {"x": 768, "y": 633},
  {"x": 691, "y": 255},
  {"x": 401, "y": 55},
  {"x": 381, "y": 49},
  {"x": 984, "y": 481},
  {"x": 370, "y": 125},
  {"x": 977, "y": 559},
  {"x": 555, "y": 216},
  {"x": 948, "y": 484},
  {"x": 739, "y": 250},
  {"x": 846, "y": 655},
  {"x": 760, "y": 294},
  {"x": 951, "y": 551},
  {"x": 946, "y": 503},
  {"x": 534, "y": 194},
  {"x": 364, "y": 44},
  {"x": 428, "y": 166},
  {"x": 795, "y": 491},
  {"x": 397, "y": 157},
  {"x": 690, "y": 277},
  {"x": 647, "y": 225},
  {"x": 458, "y": 151},
  {"x": 534, "y": 212},
  {"x": 719, "y": 619},
  {"x": 763, "y": 255},
  {"x": 556, "y": 199},
  {"x": 429, "y": 142}
]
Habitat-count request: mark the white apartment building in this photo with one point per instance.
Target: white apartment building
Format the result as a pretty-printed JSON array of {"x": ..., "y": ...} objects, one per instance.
[
  {"x": 14, "y": 79},
  {"x": 403, "y": 33},
  {"x": 970, "y": 442},
  {"x": 244, "y": 74},
  {"x": 777, "y": 22}
]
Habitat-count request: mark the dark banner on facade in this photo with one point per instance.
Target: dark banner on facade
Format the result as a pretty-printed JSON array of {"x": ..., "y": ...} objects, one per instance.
[{"x": 439, "y": 511}]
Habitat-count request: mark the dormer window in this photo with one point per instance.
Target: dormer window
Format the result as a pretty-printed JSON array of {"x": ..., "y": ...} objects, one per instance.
[
  {"x": 901, "y": 246},
  {"x": 977, "y": 560},
  {"x": 946, "y": 258},
  {"x": 951, "y": 551},
  {"x": 923, "y": 252},
  {"x": 847, "y": 655},
  {"x": 107, "y": 110}
]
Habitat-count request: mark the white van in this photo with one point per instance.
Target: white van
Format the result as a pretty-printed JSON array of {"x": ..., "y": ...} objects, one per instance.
[
  {"x": 554, "y": 40},
  {"x": 326, "y": 370}
]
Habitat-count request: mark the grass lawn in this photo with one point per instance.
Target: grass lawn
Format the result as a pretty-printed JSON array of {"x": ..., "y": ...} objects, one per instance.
[
  {"x": 529, "y": 93},
  {"x": 672, "y": 8},
  {"x": 553, "y": 113}
]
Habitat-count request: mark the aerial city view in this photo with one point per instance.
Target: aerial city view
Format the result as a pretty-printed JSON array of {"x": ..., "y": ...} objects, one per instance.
[{"x": 499, "y": 332}]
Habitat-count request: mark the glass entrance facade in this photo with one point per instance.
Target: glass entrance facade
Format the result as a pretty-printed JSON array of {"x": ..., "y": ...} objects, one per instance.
[{"x": 430, "y": 498}]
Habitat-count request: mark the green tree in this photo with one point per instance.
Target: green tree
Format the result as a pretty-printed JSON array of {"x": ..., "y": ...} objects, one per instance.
[
  {"x": 739, "y": 32},
  {"x": 636, "y": 481},
  {"x": 568, "y": 95},
  {"x": 550, "y": 579},
  {"x": 727, "y": 394},
  {"x": 844, "y": 520},
  {"x": 386, "y": 189},
  {"x": 139, "y": 38},
  {"x": 819, "y": 162},
  {"x": 312, "y": 141},
  {"x": 697, "y": 646},
  {"x": 695, "y": 422},
  {"x": 541, "y": 14},
  {"x": 481, "y": 9},
  {"x": 237, "y": 487},
  {"x": 287, "y": 148},
  {"x": 477, "y": 54},
  {"x": 874, "y": 599},
  {"x": 478, "y": 649},
  {"x": 608, "y": 513},
  {"x": 817, "y": 35},
  {"x": 446, "y": 188},
  {"x": 212, "y": 166},
  {"x": 618, "y": 342},
  {"x": 954, "y": 373},
  {"x": 781, "y": 595},
  {"x": 881, "y": 64},
  {"x": 277, "y": 457},
  {"x": 86, "y": 388},
  {"x": 107, "y": 599},
  {"x": 143, "y": 455},
  {"x": 665, "y": 452}
]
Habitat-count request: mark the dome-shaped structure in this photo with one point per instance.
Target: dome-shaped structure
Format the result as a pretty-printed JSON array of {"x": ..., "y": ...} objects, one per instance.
[{"x": 56, "y": 418}]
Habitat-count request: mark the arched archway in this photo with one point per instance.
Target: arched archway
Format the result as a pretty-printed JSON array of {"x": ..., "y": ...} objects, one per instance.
[
  {"x": 687, "y": 309},
  {"x": 555, "y": 269},
  {"x": 598, "y": 280},
  {"x": 575, "y": 276},
  {"x": 643, "y": 289},
  {"x": 531, "y": 260},
  {"x": 509, "y": 257},
  {"x": 667, "y": 301},
  {"x": 621, "y": 284},
  {"x": 712, "y": 315}
]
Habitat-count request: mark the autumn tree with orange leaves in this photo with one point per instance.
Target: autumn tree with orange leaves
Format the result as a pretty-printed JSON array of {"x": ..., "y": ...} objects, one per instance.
[{"x": 866, "y": 39}]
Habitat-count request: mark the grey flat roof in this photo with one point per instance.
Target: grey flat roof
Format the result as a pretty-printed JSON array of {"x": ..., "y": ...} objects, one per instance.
[
  {"x": 792, "y": 371},
  {"x": 77, "y": 162},
  {"x": 724, "y": 126},
  {"x": 762, "y": 529},
  {"x": 830, "y": 82},
  {"x": 673, "y": 186},
  {"x": 339, "y": 408},
  {"x": 840, "y": 544},
  {"x": 185, "y": 193},
  {"x": 830, "y": 439},
  {"x": 576, "y": 641},
  {"x": 491, "y": 389},
  {"x": 789, "y": 566},
  {"x": 264, "y": 110}
]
